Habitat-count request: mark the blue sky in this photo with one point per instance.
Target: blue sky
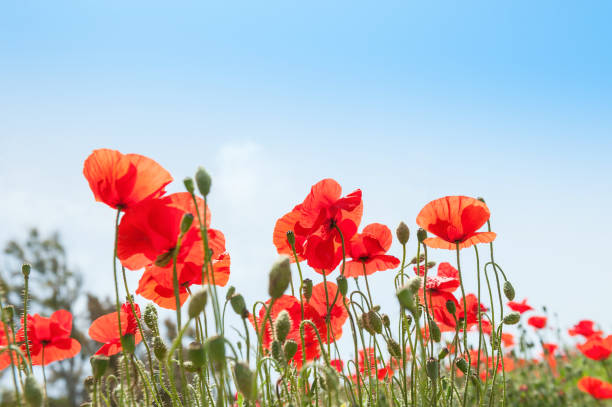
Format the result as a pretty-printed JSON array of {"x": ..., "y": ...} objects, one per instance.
[{"x": 408, "y": 102}]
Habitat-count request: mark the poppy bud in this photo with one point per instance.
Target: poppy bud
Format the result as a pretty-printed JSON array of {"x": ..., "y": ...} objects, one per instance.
[
  {"x": 230, "y": 292},
  {"x": 375, "y": 321},
  {"x": 307, "y": 289},
  {"x": 276, "y": 349},
  {"x": 290, "y": 349},
  {"x": 431, "y": 367},
  {"x": 197, "y": 303},
  {"x": 280, "y": 277},
  {"x": 215, "y": 348},
  {"x": 421, "y": 259},
  {"x": 431, "y": 264},
  {"x": 434, "y": 331},
  {"x": 403, "y": 233},
  {"x": 462, "y": 365},
  {"x": 414, "y": 284},
  {"x": 367, "y": 323},
  {"x": 238, "y": 305},
  {"x": 421, "y": 235},
  {"x": 150, "y": 317},
  {"x": 509, "y": 290},
  {"x": 195, "y": 353},
  {"x": 481, "y": 199},
  {"x": 186, "y": 222},
  {"x": 188, "y": 182},
  {"x": 99, "y": 364},
  {"x": 159, "y": 348},
  {"x": 33, "y": 392},
  {"x": 342, "y": 285},
  {"x": 282, "y": 326},
  {"x": 128, "y": 343},
  {"x": 164, "y": 259},
  {"x": 451, "y": 307},
  {"x": 512, "y": 318},
  {"x": 443, "y": 353},
  {"x": 245, "y": 380},
  {"x": 394, "y": 348},
  {"x": 203, "y": 180},
  {"x": 25, "y": 269},
  {"x": 8, "y": 313},
  {"x": 291, "y": 238},
  {"x": 406, "y": 297},
  {"x": 385, "y": 320}
]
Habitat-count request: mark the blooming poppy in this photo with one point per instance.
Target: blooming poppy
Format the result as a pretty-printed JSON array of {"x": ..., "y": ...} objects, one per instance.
[
  {"x": 338, "y": 314},
  {"x": 367, "y": 251},
  {"x": 157, "y": 283},
  {"x": 537, "y": 322},
  {"x": 123, "y": 180},
  {"x": 319, "y": 225},
  {"x": 149, "y": 231},
  {"x": 596, "y": 348},
  {"x": 520, "y": 307},
  {"x": 105, "y": 329},
  {"x": 584, "y": 328},
  {"x": 595, "y": 387},
  {"x": 455, "y": 219},
  {"x": 49, "y": 338},
  {"x": 440, "y": 289},
  {"x": 473, "y": 309}
]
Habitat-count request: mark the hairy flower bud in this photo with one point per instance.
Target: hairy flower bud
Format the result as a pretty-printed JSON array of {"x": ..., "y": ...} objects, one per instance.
[
  {"x": 33, "y": 392},
  {"x": 451, "y": 307},
  {"x": 375, "y": 322},
  {"x": 342, "y": 285},
  {"x": 421, "y": 235},
  {"x": 280, "y": 277},
  {"x": 394, "y": 348},
  {"x": 197, "y": 303},
  {"x": 385, "y": 320},
  {"x": 159, "y": 348},
  {"x": 25, "y": 269},
  {"x": 291, "y": 238},
  {"x": 215, "y": 349},
  {"x": 230, "y": 292},
  {"x": 406, "y": 322},
  {"x": 238, "y": 305},
  {"x": 203, "y": 181},
  {"x": 282, "y": 326},
  {"x": 186, "y": 222},
  {"x": 512, "y": 318},
  {"x": 195, "y": 353},
  {"x": 290, "y": 349},
  {"x": 307, "y": 289},
  {"x": 403, "y": 233},
  {"x": 509, "y": 290},
  {"x": 420, "y": 260},
  {"x": 99, "y": 364},
  {"x": 462, "y": 365},
  {"x": 189, "y": 186},
  {"x": 431, "y": 367},
  {"x": 276, "y": 349},
  {"x": 443, "y": 353},
  {"x": 245, "y": 380},
  {"x": 434, "y": 331},
  {"x": 8, "y": 313},
  {"x": 150, "y": 317}
]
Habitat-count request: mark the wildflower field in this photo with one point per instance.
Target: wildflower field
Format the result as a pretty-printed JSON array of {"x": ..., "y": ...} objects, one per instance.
[{"x": 440, "y": 346}]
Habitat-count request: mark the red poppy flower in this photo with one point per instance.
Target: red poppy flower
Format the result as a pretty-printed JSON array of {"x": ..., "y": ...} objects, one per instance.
[
  {"x": 337, "y": 315},
  {"x": 455, "y": 219},
  {"x": 520, "y": 307},
  {"x": 440, "y": 289},
  {"x": 105, "y": 329},
  {"x": 315, "y": 223},
  {"x": 50, "y": 338},
  {"x": 584, "y": 328},
  {"x": 123, "y": 180},
  {"x": 157, "y": 283},
  {"x": 149, "y": 232},
  {"x": 596, "y": 348},
  {"x": 292, "y": 306},
  {"x": 597, "y": 388},
  {"x": 473, "y": 308},
  {"x": 367, "y": 251},
  {"x": 537, "y": 322},
  {"x": 337, "y": 364}
]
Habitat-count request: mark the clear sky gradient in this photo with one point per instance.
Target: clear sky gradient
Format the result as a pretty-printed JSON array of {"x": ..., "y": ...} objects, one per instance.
[{"x": 408, "y": 102}]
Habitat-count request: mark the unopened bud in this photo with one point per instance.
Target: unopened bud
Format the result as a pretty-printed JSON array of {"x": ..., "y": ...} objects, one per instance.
[
  {"x": 276, "y": 349},
  {"x": 159, "y": 348},
  {"x": 203, "y": 181},
  {"x": 188, "y": 182},
  {"x": 186, "y": 222},
  {"x": 150, "y": 317},
  {"x": 462, "y": 365},
  {"x": 342, "y": 285},
  {"x": 290, "y": 349},
  {"x": 197, "y": 303},
  {"x": 307, "y": 289},
  {"x": 215, "y": 349},
  {"x": 375, "y": 321},
  {"x": 230, "y": 292},
  {"x": 443, "y": 353},
  {"x": 190, "y": 367},
  {"x": 421, "y": 235},
  {"x": 291, "y": 238},
  {"x": 406, "y": 322},
  {"x": 403, "y": 233},
  {"x": 420, "y": 260},
  {"x": 434, "y": 331},
  {"x": 280, "y": 277},
  {"x": 451, "y": 307},
  {"x": 512, "y": 318},
  {"x": 282, "y": 326},
  {"x": 431, "y": 264},
  {"x": 99, "y": 364},
  {"x": 431, "y": 366},
  {"x": 128, "y": 343},
  {"x": 195, "y": 353},
  {"x": 8, "y": 313},
  {"x": 25, "y": 269},
  {"x": 394, "y": 348},
  {"x": 238, "y": 305},
  {"x": 33, "y": 392},
  {"x": 509, "y": 290},
  {"x": 245, "y": 380},
  {"x": 385, "y": 320}
]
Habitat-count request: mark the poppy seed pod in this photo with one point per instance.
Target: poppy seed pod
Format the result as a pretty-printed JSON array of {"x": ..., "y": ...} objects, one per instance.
[
  {"x": 276, "y": 349},
  {"x": 195, "y": 353},
  {"x": 509, "y": 290},
  {"x": 189, "y": 186},
  {"x": 197, "y": 303},
  {"x": 150, "y": 317},
  {"x": 238, "y": 305},
  {"x": 8, "y": 314},
  {"x": 25, "y": 269},
  {"x": 128, "y": 343},
  {"x": 403, "y": 233},
  {"x": 159, "y": 348},
  {"x": 421, "y": 235},
  {"x": 280, "y": 277},
  {"x": 421, "y": 259},
  {"x": 385, "y": 320},
  {"x": 245, "y": 380},
  {"x": 290, "y": 349},
  {"x": 230, "y": 292},
  {"x": 431, "y": 264},
  {"x": 33, "y": 392},
  {"x": 443, "y": 353},
  {"x": 462, "y": 365},
  {"x": 215, "y": 348},
  {"x": 342, "y": 285},
  {"x": 307, "y": 289},
  {"x": 282, "y": 326},
  {"x": 186, "y": 222},
  {"x": 99, "y": 364},
  {"x": 451, "y": 307},
  {"x": 512, "y": 318},
  {"x": 431, "y": 367},
  {"x": 394, "y": 348},
  {"x": 203, "y": 181},
  {"x": 291, "y": 238},
  {"x": 434, "y": 331}
]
